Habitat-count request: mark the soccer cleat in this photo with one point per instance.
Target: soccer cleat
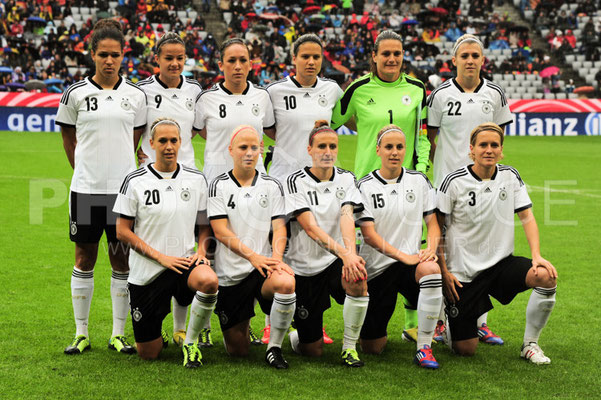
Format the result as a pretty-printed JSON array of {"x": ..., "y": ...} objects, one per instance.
[
  {"x": 254, "y": 339},
  {"x": 410, "y": 335},
  {"x": 350, "y": 358},
  {"x": 266, "y": 333},
  {"x": 204, "y": 338},
  {"x": 80, "y": 344},
  {"x": 165, "y": 338},
  {"x": 326, "y": 338},
  {"x": 439, "y": 332},
  {"x": 192, "y": 355},
  {"x": 488, "y": 337},
  {"x": 179, "y": 337},
  {"x": 533, "y": 353},
  {"x": 425, "y": 359},
  {"x": 275, "y": 359},
  {"x": 120, "y": 344}
]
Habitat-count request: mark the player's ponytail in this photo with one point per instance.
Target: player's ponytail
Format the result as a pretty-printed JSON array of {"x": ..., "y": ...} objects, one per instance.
[{"x": 321, "y": 126}]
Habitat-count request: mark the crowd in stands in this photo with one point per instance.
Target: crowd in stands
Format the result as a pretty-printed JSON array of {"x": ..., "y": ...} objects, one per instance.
[{"x": 47, "y": 40}]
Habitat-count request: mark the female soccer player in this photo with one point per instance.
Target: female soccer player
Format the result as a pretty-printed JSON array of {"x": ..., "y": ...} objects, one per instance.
[
  {"x": 396, "y": 201},
  {"x": 165, "y": 200},
  {"x": 298, "y": 101},
  {"x": 477, "y": 203},
  {"x": 387, "y": 96},
  {"x": 244, "y": 205},
  {"x": 454, "y": 109},
  {"x": 101, "y": 119},
  {"x": 233, "y": 102},
  {"x": 322, "y": 199},
  {"x": 170, "y": 94}
]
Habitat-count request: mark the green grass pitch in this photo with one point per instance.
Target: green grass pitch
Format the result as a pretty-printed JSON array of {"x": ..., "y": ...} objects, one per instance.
[{"x": 36, "y": 319}]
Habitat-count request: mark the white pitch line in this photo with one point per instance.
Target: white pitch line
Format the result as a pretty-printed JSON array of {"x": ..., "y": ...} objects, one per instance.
[{"x": 578, "y": 192}]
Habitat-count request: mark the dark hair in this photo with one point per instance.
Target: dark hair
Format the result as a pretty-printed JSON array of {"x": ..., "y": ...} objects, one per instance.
[
  {"x": 384, "y": 35},
  {"x": 306, "y": 38},
  {"x": 168, "y": 38},
  {"x": 321, "y": 126},
  {"x": 107, "y": 29},
  {"x": 231, "y": 42}
]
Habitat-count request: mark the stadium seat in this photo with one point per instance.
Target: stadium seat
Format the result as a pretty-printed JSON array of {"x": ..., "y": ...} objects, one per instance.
[
  {"x": 85, "y": 10},
  {"x": 192, "y": 14},
  {"x": 561, "y": 96},
  {"x": 587, "y": 64},
  {"x": 529, "y": 15},
  {"x": 497, "y": 77},
  {"x": 227, "y": 17},
  {"x": 572, "y": 96},
  {"x": 570, "y": 58},
  {"x": 549, "y": 96},
  {"x": 183, "y": 15},
  {"x": 537, "y": 96},
  {"x": 530, "y": 77}
]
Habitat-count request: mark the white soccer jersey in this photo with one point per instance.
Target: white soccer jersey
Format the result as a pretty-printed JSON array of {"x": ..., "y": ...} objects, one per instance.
[
  {"x": 177, "y": 103},
  {"x": 296, "y": 109},
  {"x": 220, "y": 111},
  {"x": 456, "y": 114},
  {"x": 249, "y": 211},
  {"x": 305, "y": 192},
  {"x": 480, "y": 218},
  {"x": 104, "y": 122},
  {"x": 397, "y": 210},
  {"x": 164, "y": 211}
]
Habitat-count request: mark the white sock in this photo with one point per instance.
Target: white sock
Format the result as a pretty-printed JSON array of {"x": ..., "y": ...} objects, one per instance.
[
  {"x": 428, "y": 308},
  {"x": 282, "y": 310},
  {"x": 179, "y": 315},
  {"x": 82, "y": 288},
  {"x": 294, "y": 341},
  {"x": 200, "y": 310},
  {"x": 207, "y": 324},
  {"x": 120, "y": 299},
  {"x": 353, "y": 313},
  {"x": 540, "y": 305},
  {"x": 267, "y": 320},
  {"x": 482, "y": 320}
]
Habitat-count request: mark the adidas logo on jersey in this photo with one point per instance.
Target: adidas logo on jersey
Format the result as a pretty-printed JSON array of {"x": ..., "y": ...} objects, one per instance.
[
  {"x": 370, "y": 101},
  {"x": 393, "y": 192},
  {"x": 174, "y": 96},
  {"x": 470, "y": 101},
  {"x": 487, "y": 190},
  {"x": 327, "y": 190},
  {"x": 247, "y": 196},
  {"x": 239, "y": 103},
  {"x": 169, "y": 189},
  {"x": 306, "y": 95},
  {"x": 109, "y": 98}
]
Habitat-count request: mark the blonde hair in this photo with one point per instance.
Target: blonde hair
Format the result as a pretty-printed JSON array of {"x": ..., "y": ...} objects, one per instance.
[
  {"x": 163, "y": 121},
  {"x": 241, "y": 128},
  {"x": 387, "y": 129},
  {"x": 467, "y": 38},
  {"x": 487, "y": 126}
]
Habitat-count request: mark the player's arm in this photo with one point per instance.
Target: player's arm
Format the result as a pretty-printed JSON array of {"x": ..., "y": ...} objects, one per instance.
[
  {"x": 126, "y": 235},
  {"x": 432, "y": 132},
  {"x": 432, "y": 240},
  {"x": 226, "y": 236},
  {"x": 278, "y": 244},
  {"x": 195, "y": 132},
  {"x": 351, "y": 124},
  {"x": 449, "y": 281},
  {"x": 270, "y": 132},
  {"x": 137, "y": 135},
  {"x": 375, "y": 240},
  {"x": 69, "y": 142},
  {"x": 531, "y": 230},
  {"x": 423, "y": 150},
  {"x": 204, "y": 235},
  {"x": 203, "y": 133}
]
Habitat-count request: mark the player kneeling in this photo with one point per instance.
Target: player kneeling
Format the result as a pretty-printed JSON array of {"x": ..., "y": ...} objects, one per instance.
[
  {"x": 244, "y": 205},
  {"x": 396, "y": 201},
  {"x": 476, "y": 203},
  {"x": 165, "y": 200}
]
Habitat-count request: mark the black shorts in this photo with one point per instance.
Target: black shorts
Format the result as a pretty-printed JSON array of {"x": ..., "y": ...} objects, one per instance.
[
  {"x": 236, "y": 303},
  {"x": 313, "y": 298},
  {"x": 151, "y": 303},
  {"x": 503, "y": 281},
  {"x": 383, "y": 290},
  {"x": 90, "y": 215}
]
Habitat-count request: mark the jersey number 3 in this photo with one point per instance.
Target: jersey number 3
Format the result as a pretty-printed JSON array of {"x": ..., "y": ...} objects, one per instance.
[{"x": 472, "y": 201}]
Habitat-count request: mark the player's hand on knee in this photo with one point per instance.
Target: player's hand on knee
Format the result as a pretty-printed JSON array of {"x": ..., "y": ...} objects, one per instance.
[
  {"x": 427, "y": 254},
  {"x": 353, "y": 268},
  {"x": 539, "y": 262},
  {"x": 449, "y": 286},
  {"x": 283, "y": 268},
  {"x": 197, "y": 259},
  {"x": 263, "y": 264},
  {"x": 174, "y": 263}
]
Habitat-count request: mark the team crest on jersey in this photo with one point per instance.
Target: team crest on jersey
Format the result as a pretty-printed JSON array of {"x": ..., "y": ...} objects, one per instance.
[
  {"x": 136, "y": 315},
  {"x": 340, "y": 193},
  {"x": 255, "y": 110},
  {"x": 322, "y": 101},
  {"x": 189, "y": 104},
  {"x": 73, "y": 228},
  {"x": 406, "y": 100},
  {"x": 410, "y": 197},
  {"x": 503, "y": 194},
  {"x": 185, "y": 194},
  {"x": 125, "y": 104},
  {"x": 486, "y": 107},
  {"x": 223, "y": 318},
  {"x": 263, "y": 201},
  {"x": 303, "y": 313}
]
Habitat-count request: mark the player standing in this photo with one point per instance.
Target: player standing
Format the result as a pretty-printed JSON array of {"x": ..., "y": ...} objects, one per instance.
[
  {"x": 387, "y": 96},
  {"x": 244, "y": 205},
  {"x": 170, "y": 94},
  {"x": 101, "y": 119},
  {"x": 454, "y": 109},
  {"x": 322, "y": 200},
  {"x": 396, "y": 201},
  {"x": 165, "y": 199},
  {"x": 477, "y": 203}
]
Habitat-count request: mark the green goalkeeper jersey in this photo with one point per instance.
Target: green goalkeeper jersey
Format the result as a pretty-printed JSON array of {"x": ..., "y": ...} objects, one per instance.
[{"x": 376, "y": 103}]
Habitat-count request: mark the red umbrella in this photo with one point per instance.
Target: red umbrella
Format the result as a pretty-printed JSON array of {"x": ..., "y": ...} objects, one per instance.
[
  {"x": 311, "y": 9},
  {"x": 276, "y": 17},
  {"x": 549, "y": 71},
  {"x": 439, "y": 10},
  {"x": 251, "y": 15},
  {"x": 584, "y": 89}
]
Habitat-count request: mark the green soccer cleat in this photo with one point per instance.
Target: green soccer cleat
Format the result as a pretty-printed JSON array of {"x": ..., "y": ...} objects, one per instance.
[
  {"x": 204, "y": 338},
  {"x": 350, "y": 358},
  {"x": 80, "y": 344},
  {"x": 192, "y": 355},
  {"x": 165, "y": 337},
  {"x": 120, "y": 344},
  {"x": 254, "y": 339},
  {"x": 179, "y": 337}
]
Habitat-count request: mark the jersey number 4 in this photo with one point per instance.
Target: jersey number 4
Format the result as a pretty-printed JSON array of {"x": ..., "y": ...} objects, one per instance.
[{"x": 230, "y": 202}]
